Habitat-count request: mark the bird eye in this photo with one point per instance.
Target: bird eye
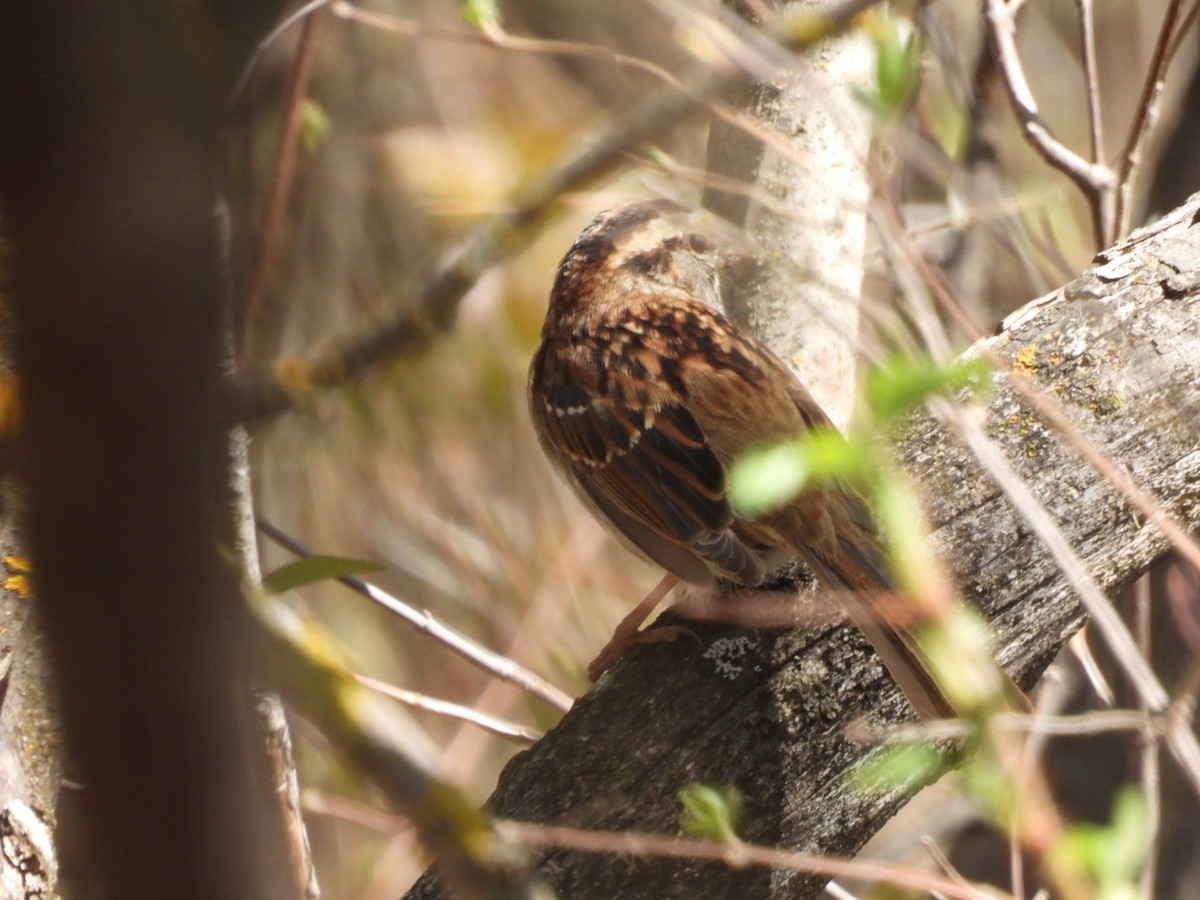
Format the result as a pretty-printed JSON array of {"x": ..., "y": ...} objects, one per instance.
[{"x": 699, "y": 243}]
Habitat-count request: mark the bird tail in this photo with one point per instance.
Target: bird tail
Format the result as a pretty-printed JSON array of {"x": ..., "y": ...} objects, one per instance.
[
  {"x": 869, "y": 598},
  {"x": 871, "y": 601}
]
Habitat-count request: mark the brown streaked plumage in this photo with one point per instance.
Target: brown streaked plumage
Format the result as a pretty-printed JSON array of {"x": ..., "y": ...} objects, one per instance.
[{"x": 642, "y": 394}]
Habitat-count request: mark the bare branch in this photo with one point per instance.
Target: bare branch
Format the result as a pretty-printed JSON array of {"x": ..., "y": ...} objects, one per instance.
[
  {"x": 1145, "y": 113},
  {"x": 1087, "y": 40},
  {"x": 492, "y": 724},
  {"x": 737, "y": 855},
  {"x": 493, "y": 663},
  {"x": 303, "y": 663},
  {"x": 277, "y": 195},
  {"x": 1095, "y": 180}
]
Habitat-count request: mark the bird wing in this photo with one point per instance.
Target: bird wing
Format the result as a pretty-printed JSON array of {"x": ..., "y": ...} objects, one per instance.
[{"x": 646, "y": 466}]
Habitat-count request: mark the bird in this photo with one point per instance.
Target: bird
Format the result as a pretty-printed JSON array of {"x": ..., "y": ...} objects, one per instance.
[{"x": 643, "y": 394}]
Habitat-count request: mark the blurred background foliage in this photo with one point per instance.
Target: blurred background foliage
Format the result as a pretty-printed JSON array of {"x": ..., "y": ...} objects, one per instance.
[{"x": 429, "y": 466}]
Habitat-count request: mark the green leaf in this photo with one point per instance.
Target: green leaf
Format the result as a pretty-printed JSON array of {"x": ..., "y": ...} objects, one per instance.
[
  {"x": 903, "y": 383},
  {"x": 711, "y": 812},
  {"x": 763, "y": 480},
  {"x": 1130, "y": 827},
  {"x": 901, "y": 522},
  {"x": 481, "y": 12},
  {"x": 314, "y": 124},
  {"x": 1113, "y": 853},
  {"x": 832, "y": 456},
  {"x": 897, "y": 67},
  {"x": 316, "y": 568},
  {"x": 897, "y": 766},
  {"x": 990, "y": 785}
]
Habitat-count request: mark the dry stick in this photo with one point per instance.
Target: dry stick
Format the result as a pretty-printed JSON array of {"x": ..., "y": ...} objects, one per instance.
[
  {"x": 737, "y": 855},
  {"x": 496, "y": 38},
  {"x": 492, "y": 724},
  {"x": 282, "y": 28},
  {"x": 280, "y": 189},
  {"x": 1087, "y": 40},
  {"x": 1087, "y": 724},
  {"x": 1148, "y": 766},
  {"x": 1185, "y": 22},
  {"x": 463, "y": 751},
  {"x": 285, "y": 785},
  {"x": 1029, "y": 752},
  {"x": 1091, "y": 669},
  {"x": 409, "y": 326},
  {"x": 335, "y": 806},
  {"x": 837, "y": 892},
  {"x": 1037, "y": 724},
  {"x": 1095, "y": 180},
  {"x": 303, "y": 661},
  {"x": 1145, "y": 113},
  {"x": 423, "y": 621},
  {"x": 942, "y": 861}
]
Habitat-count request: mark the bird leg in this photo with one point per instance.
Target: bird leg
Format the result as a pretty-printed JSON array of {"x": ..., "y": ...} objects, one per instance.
[{"x": 627, "y": 632}]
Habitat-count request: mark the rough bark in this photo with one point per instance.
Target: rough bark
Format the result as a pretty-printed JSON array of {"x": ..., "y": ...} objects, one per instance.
[
  {"x": 1119, "y": 348},
  {"x": 30, "y": 739},
  {"x": 30, "y": 763}
]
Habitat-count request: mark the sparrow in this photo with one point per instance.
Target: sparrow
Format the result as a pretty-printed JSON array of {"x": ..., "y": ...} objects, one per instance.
[{"x": 643, "y": 394}]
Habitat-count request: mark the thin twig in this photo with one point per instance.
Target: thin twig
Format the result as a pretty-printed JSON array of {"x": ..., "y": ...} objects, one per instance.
[
  {"x": 276, "y": 33},
  {"x": 737, "y": 855},
  {"x": 1049, "y": 702},
  {"x": 942, "y": 861},
  {"x": 280, "y": 189},
  {"x": 1148, "y": 764},
  {"x": 1095, "y": 180},
  {"x": 1038, "y": 724},
  {"x": 1033, "y": 819},
  {"x": 303, "y": 662},
  {"x": 497, "y": 39},
  {"x": 1091, "y": 74},
  {"x": 324, "y": 803},
  {"x": 423, "y": 621},
  {"x": 837, "y": 892},
  {"x": 492, "y": 724},
  {"x": 1185, "y": 23},
  {"x": 1145, "y": 114},
  {"x": 1082, "y": 652}
]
